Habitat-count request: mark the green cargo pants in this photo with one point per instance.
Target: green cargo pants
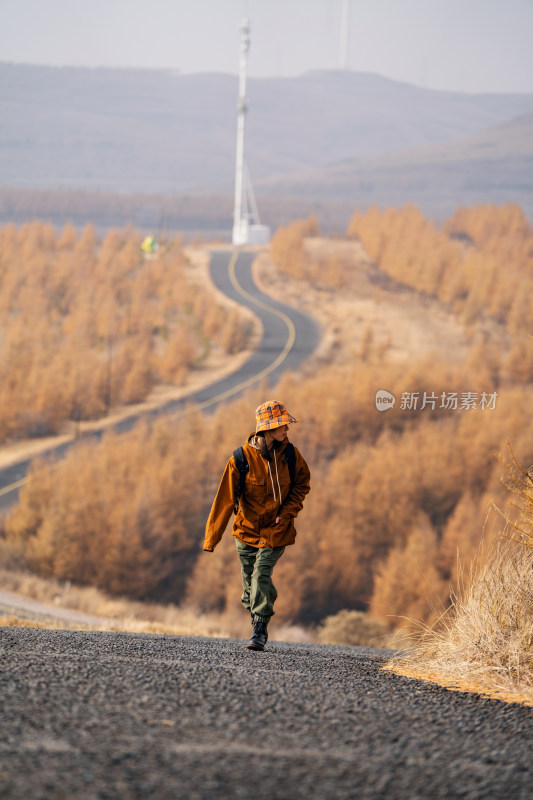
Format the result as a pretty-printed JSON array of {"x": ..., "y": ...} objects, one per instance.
[{"x": 258, "y": 591}]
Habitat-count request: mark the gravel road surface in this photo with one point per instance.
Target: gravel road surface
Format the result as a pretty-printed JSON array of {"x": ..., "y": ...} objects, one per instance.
[{"x": 108, "y": 715}]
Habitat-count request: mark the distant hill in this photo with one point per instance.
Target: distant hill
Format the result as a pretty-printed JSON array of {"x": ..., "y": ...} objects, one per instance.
[
  {"x": 154, "y": 130},
  {"x": 493, "y": 166}
]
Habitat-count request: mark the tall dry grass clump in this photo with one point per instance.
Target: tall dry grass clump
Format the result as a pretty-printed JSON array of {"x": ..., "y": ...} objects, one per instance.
[
  {"x": 520, "y": 484},
  {"x": 486, "y": 638}
]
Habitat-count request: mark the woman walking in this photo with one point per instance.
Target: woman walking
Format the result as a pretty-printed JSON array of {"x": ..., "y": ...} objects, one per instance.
[{"x": 264, "y": 483}]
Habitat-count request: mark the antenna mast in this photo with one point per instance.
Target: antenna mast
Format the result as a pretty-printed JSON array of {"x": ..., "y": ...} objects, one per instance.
[
  {"x": 240, "y": 220},
  {"x": 243, "y": 232},
  {"x": 345, "y": 34}
]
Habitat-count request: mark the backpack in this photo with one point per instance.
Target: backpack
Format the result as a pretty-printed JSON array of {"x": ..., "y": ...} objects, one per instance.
[{"x": 243, "y": 467}]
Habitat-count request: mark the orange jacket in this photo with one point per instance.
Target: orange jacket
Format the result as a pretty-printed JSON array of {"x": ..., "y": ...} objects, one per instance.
[{"x": 266, "y": 497}]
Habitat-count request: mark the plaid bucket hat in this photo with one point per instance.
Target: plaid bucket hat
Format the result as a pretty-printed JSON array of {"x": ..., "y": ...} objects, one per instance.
[{"x": 272, "y": 414}]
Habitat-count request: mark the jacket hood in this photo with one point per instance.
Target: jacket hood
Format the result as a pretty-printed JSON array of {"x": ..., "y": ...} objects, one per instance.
[{"x": 255, "y": 441}]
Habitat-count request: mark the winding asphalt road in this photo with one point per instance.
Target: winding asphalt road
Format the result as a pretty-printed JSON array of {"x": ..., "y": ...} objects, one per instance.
[
  {"x": 111, "y": 716},
  {"x": 290, "y": 336}
]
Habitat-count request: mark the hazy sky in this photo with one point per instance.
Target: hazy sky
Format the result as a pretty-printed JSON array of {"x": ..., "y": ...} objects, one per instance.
[{"x": 468, "y": 45}]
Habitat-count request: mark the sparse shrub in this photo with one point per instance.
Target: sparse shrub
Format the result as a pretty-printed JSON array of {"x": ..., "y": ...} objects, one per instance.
[
  {"x": 354, "y": 628},
  {"x": 287, "y": 247},
  {"x": 235, "y": 334}
]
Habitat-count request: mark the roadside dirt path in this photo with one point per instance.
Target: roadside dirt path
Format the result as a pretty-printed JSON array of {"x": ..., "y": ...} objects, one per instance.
[
  {"x": 372, "y": 315},
  {"x": 28, "y": 608}
]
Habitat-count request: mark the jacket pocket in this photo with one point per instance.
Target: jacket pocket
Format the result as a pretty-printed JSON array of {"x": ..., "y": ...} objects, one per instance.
[
  {"x": 247, "y": 538},
  {"x": 285, "y": 486},
  {"x": 255, "y": 490},
  {"x": 283, "y": 533},
  {"x": 246, "y": 524}
]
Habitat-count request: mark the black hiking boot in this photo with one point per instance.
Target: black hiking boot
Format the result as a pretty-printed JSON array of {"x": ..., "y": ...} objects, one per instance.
[{"x": 259, "y": 637}]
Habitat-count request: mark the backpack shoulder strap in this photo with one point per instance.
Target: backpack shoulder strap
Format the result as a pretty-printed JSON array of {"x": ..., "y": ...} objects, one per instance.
[
  {"x": 242, "y": 466},
  {"x": 290, "y": 458}
]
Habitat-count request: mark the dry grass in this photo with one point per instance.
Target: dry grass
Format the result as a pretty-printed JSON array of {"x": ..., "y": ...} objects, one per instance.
[
  {"x": 16, "y": 621},
  {"x": 126, "y": 625},
  {"x": 118, "y": 614},
  {"x": 356, "y": 628},
  {"x": 455, "y": 684},
  {"x": 485, "y": 641},
  {"x": 114, "y": 614}
]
